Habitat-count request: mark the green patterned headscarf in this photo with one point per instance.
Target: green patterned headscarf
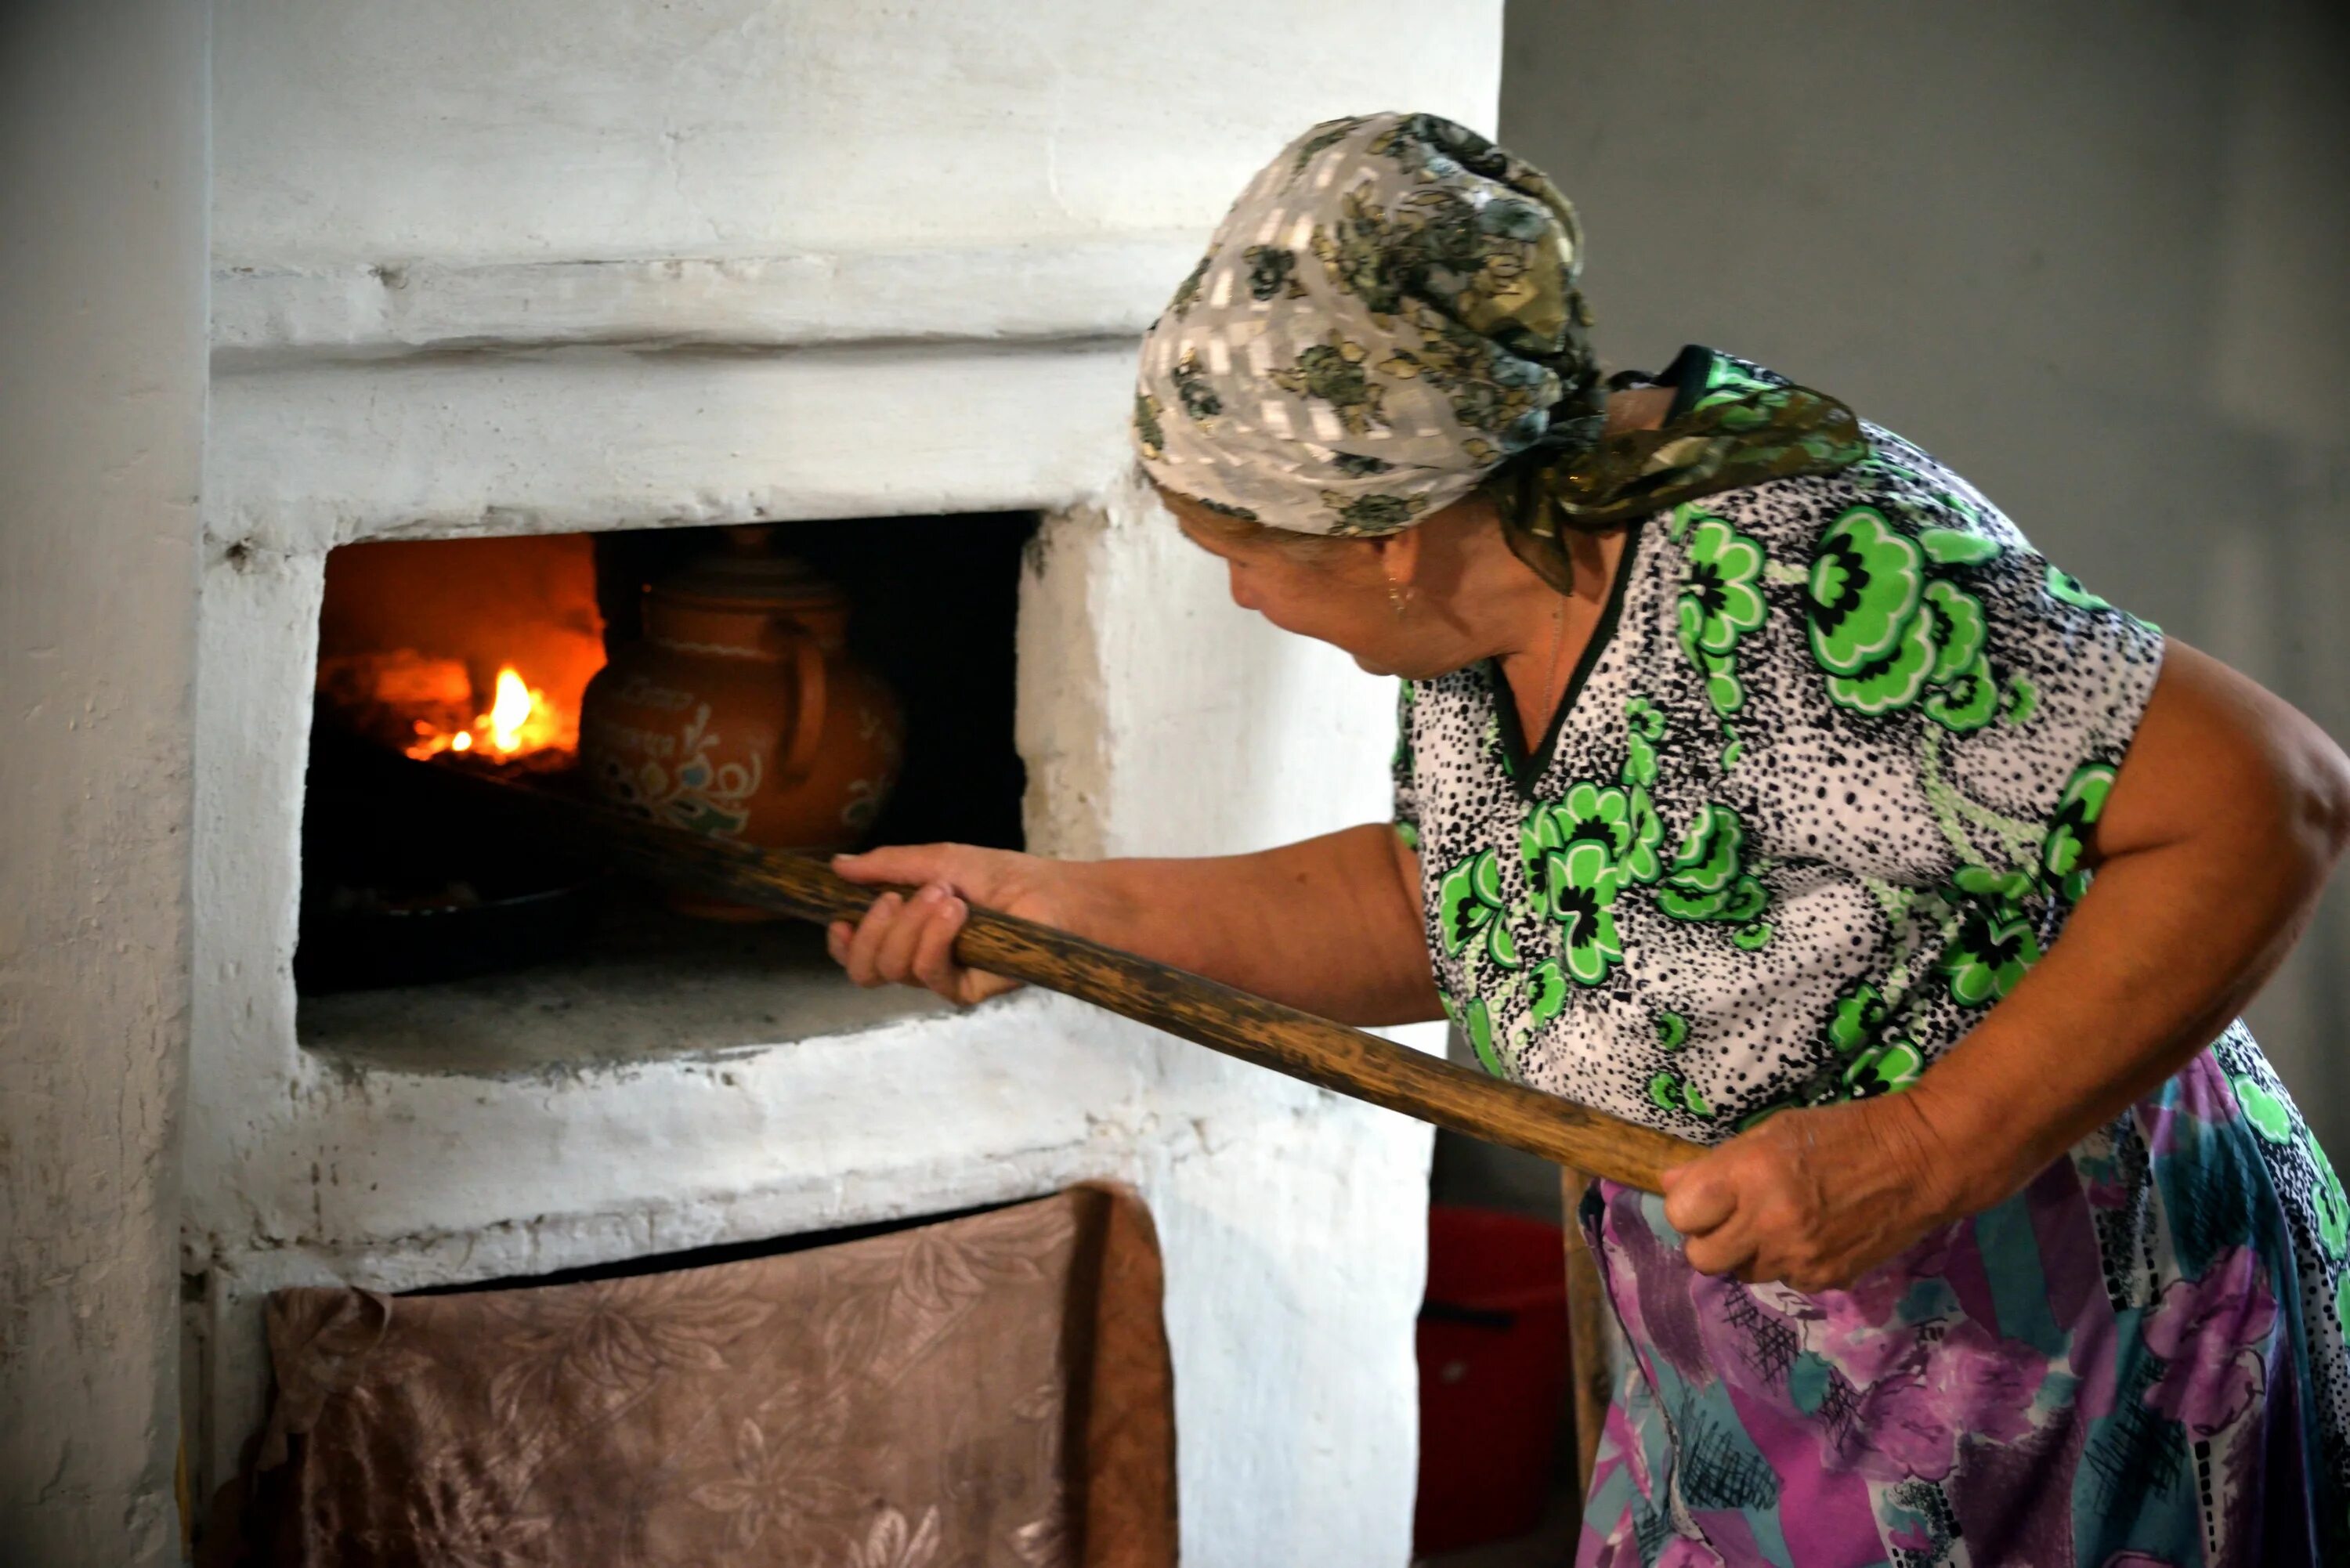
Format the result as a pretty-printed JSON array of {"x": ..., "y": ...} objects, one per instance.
[{"x": 1388, "y": 319}]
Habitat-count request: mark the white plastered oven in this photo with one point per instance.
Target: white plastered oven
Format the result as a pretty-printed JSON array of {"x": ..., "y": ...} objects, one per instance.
[{"x": 540, "y": 268}]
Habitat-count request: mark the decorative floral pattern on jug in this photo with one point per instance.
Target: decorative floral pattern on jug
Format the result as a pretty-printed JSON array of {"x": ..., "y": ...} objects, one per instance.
[{"x": 739, "y": 714}]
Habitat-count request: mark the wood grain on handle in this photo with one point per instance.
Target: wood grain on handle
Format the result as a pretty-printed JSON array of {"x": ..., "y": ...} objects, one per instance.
[{"x": 1347, "y": 1061}]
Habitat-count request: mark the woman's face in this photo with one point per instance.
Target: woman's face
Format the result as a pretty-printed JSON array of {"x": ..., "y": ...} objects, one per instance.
[{"x": 1344, "y": 596}]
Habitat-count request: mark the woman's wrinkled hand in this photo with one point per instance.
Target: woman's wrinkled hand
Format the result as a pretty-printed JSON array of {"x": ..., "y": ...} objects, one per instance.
[
  {"x": 909, "y": 939},
  {"x": 1816, "y": 1198}
]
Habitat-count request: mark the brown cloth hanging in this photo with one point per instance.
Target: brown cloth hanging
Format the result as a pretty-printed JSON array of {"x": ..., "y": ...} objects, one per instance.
[{"x": 989, "y": 1390}]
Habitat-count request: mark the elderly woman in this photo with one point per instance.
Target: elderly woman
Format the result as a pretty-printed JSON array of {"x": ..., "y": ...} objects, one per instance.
[{"x": 1751, "y": 767}]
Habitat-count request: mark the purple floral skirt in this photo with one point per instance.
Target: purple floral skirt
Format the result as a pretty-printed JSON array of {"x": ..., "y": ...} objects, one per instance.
[{"x": 2137, "y": 1361}]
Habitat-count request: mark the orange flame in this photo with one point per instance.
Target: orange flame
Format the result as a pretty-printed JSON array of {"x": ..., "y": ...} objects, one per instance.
[
  {"x": 520, "y": 721},
  {"x": 516, "y": 703}
]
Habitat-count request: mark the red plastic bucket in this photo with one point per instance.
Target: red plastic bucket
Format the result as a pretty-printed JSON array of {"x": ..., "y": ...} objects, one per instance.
[{"x": 1493, "y": 1376}]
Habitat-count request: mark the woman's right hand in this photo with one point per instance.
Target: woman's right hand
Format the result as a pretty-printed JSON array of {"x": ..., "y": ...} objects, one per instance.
[{"x": 909, "y": 939}]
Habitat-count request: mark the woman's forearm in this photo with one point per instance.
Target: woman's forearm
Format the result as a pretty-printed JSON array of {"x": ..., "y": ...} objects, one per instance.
[
  {"x": 1329, "y": 924},
  {"x": 2159, "y": 956},
  {"x": 2218, "y": 838}
]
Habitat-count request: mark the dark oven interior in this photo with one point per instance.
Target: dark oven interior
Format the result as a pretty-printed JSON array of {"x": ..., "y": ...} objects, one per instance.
[{"x": 672, "y": 672}]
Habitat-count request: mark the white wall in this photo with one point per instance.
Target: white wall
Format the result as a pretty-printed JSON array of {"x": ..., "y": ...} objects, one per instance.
[
  {"x": 102, "y": 285},
  {"x": 2092, "y": 255},
  {"x": 549, "y": 131}
]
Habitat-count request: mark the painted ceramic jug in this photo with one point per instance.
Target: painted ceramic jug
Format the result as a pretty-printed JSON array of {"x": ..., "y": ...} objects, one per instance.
[{"x": 739, "y": 714}]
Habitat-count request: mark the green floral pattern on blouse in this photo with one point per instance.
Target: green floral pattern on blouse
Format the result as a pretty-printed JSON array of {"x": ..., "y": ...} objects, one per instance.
[
  {"x": 1470, "y": 898},
  {"x": 1892, "y": 624},
  {"x": 1903, "y": 812},
  {"x": 1721, "y": 601},
  {"x": 1710, "y": 879}
]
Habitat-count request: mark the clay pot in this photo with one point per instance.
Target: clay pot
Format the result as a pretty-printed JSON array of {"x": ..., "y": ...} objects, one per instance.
[{"x": 740, "y": 715}]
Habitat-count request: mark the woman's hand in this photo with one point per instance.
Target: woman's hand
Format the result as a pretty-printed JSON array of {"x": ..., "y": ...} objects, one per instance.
[
  {"x": 910, "y": 940},
  {"x": 2228, "y": 813},
  {"x": 1330, "y": 924},
  {"x": 1816, "y": 1198}
]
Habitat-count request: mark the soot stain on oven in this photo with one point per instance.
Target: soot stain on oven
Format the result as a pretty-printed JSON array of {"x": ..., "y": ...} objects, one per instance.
[{"x": 431, "y": 942}]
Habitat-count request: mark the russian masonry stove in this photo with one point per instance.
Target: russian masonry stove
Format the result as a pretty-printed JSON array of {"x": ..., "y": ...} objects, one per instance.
[{"x": 529, "y": 270}]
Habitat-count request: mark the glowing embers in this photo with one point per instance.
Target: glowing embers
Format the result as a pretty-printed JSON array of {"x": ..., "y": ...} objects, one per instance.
[
  {"x": 476, "y": 649},
  {"x": 428, "y": 705},
  {"x": 521, "y": 720}
]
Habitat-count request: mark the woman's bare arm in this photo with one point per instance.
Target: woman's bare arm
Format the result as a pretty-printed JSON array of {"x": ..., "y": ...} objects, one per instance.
[
  {"x": 2221, "y": 826},
  {"x": 1330, "y": 924}
]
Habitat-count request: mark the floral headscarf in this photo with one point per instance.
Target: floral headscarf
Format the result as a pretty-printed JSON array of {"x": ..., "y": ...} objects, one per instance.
[{"x": 1387, "y": 320}]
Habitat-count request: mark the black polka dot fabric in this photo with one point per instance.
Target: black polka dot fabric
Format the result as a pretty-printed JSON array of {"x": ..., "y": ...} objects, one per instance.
[{"x": 1814, "y": 808}]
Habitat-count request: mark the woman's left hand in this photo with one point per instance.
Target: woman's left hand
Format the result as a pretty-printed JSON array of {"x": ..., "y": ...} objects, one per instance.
[{"x": 1816, "y": 1198}]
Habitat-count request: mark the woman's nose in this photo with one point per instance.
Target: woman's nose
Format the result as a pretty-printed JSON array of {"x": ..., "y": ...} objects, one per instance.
[{"x": 1239, "y": 586}]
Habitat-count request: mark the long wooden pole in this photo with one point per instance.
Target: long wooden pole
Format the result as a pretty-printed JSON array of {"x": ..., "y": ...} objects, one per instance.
[
  {"x": 1587, "y": 1385},
  {"x": 1347, "y": 1061}
]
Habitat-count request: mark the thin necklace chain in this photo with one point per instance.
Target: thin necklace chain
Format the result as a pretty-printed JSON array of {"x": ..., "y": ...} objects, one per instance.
[{"x": 1551, "y": 692}]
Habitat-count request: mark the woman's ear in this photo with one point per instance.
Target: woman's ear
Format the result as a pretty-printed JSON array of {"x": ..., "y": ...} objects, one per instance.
[{"x": 1399, "y": 557}]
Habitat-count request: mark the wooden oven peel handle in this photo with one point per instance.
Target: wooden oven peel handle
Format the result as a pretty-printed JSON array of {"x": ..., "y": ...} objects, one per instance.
[{"x": 1347, "y": 1061}]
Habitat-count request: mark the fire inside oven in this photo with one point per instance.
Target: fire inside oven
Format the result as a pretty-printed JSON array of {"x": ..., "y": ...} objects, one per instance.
[{"x": 811, "y": 686}]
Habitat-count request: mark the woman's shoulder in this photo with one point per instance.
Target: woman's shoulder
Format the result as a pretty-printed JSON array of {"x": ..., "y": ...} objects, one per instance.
[
  {"x": 1914, "y": 493},
  {"x": 1447, "y": 716}
]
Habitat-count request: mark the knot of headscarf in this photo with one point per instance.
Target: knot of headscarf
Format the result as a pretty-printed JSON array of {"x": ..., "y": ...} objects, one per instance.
[
  {"x": 1389, "y": 318},
  {"x": 1733, "y": 424}
]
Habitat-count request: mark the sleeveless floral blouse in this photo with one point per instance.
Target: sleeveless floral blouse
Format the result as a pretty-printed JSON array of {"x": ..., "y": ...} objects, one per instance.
[{"x": 1813, "y": 803}]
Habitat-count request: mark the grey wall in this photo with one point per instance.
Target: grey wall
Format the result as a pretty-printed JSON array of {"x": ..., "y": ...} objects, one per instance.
[
  {"x": 102, "y": 374},
  {"x": 2093, "y": 254}
]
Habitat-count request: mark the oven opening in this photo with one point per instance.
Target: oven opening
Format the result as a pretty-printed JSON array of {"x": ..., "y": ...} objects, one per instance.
[{"x": 809, "y": 686}]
